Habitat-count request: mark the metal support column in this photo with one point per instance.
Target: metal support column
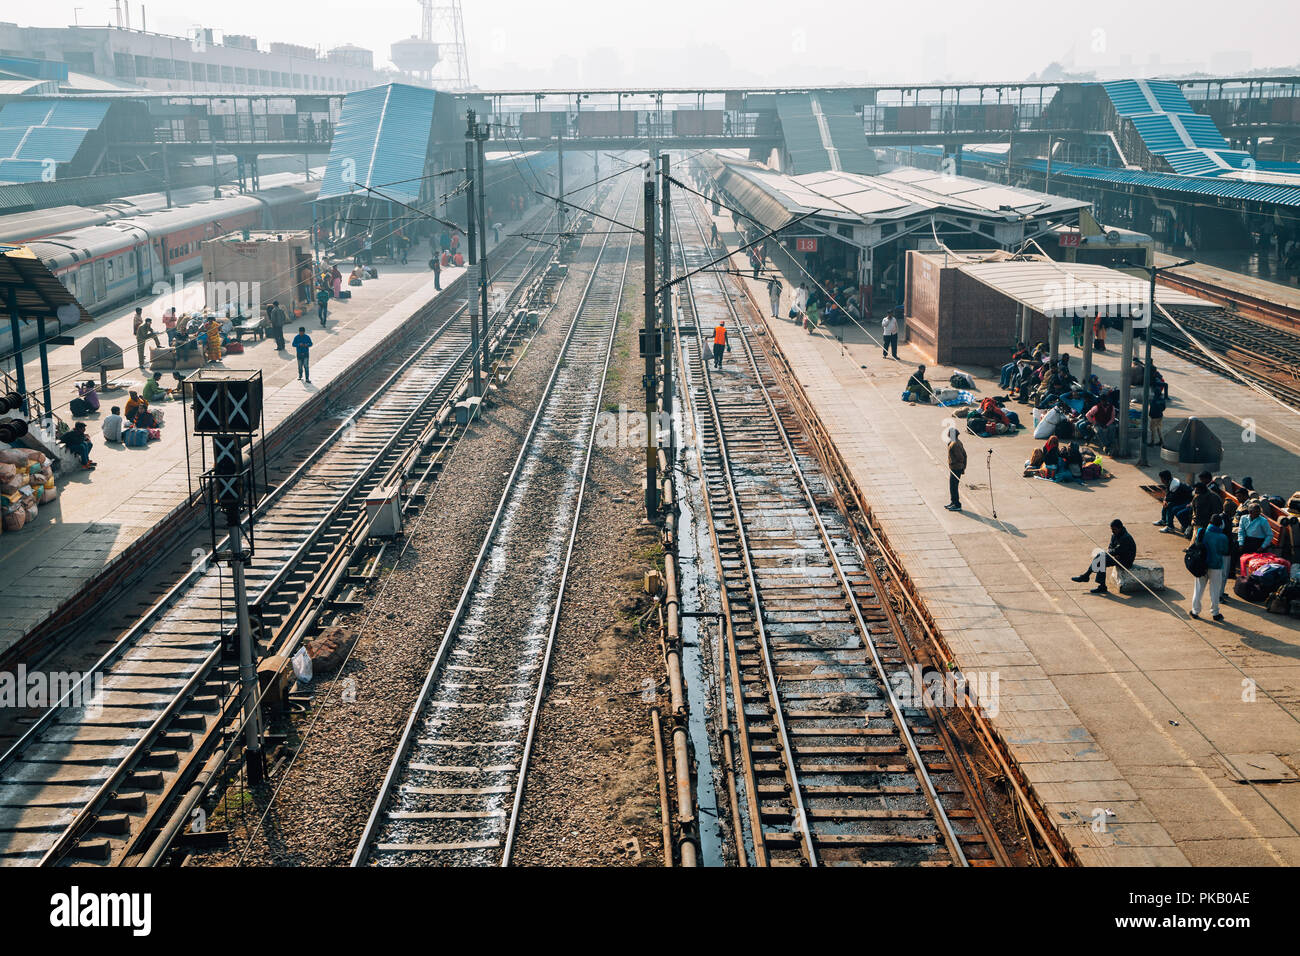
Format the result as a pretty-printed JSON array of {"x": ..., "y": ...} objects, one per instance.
[
  {"x": 651, "y": 317},
  {"x": 1125, "y": 365},
  {"x": 560, "y": 208},
  {"x": 248, "y": 689},
  {"x": 471, "y": 249},
  {"x": 1146, "y": 371},
  {"x": 1054, "y": 337},
  {"x": 481, "y": 133},
  {"x": 666, "y": 305},
  {"x": 45, "y": 371},
  {"x": 15, "y": 328},
  {"x": 1086, "y": 371}
]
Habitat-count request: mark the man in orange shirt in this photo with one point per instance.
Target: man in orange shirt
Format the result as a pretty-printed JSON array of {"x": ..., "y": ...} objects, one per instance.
[{"x": 719, "y": 344}]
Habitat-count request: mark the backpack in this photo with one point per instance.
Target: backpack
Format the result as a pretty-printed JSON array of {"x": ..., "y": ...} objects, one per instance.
[
  {"x": 78, "y": 407},
  {"x": 1195, "y": 558},
  {"x": 961, "y": 380}
]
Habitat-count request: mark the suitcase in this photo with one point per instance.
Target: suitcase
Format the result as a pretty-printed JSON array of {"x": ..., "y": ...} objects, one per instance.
[
  {"x": 345, "y": 293},
  {"x": 135, "y": 437}
]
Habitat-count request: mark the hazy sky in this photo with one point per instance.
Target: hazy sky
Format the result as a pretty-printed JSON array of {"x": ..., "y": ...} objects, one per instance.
[{"x": 687, "y": 42}]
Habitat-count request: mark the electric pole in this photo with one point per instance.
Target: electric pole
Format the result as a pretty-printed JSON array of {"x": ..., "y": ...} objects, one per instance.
[
  {"x": 649, "y": 347},
  {"x": 559, "y": 204},
  {"x": 471, "y": 250},
  {"x": 665, "y": 232},
  {"x": 480, "y": 136}
]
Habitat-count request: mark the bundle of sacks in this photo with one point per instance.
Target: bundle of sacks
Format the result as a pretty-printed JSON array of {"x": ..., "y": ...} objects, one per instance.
[
  {"x": 26, "y": 480},
  {"x": 990, "y": 417}
]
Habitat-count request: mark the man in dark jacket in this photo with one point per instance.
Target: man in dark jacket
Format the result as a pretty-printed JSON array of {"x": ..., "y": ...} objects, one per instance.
[
  {"x": 1121, "y": 553},
  {"x": 956, "y": 468},
  {"x": 1178, "y": 504},
  {"x": 1206, "y": 503}
]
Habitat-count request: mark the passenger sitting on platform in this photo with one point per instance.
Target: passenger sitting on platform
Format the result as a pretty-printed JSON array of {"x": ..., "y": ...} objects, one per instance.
[
  {"x": 138, "y": 414},
  {"x": 153, "y": 389},
  {"x": 1104, "y": 423},
  {"x": 1178, "y": 504},
  {"x": 1254, "y": 533},
  {"x": 1009, "y": 370},
  {"x": 113, "y": 425},
  {"x": 1121, "y": 553},
  {"x": 918, "y": 389},
  {"x": 78, "y": 442}
]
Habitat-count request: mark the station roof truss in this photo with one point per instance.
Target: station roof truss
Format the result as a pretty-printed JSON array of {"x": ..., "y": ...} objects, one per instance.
[{"x": 868, "y": 211}]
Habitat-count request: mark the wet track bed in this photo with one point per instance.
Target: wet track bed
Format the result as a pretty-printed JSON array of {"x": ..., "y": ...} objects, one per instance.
[{"x": 836, "y": 766}]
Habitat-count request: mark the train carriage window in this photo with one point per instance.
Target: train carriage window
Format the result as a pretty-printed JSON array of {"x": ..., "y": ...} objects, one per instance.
[{"x": 110, "y": 270}]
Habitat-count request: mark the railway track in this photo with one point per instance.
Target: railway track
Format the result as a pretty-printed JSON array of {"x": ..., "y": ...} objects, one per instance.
[
  {"x": 452, "y": 794},
  {"x": 94, "y": 784},
  {"x": 1264, "y": 354},
  {"x": 836, "y": 767}
]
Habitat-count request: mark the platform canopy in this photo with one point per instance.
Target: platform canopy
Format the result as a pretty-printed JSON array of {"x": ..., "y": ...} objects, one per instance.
[
  {"x": 36, "y": 292},
  {"x": 1066, "y": 289},
  {"x": 867, "y": 211}
]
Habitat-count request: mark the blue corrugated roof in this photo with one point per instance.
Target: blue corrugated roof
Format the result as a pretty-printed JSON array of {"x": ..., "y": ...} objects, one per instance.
[
  {"x": 25, "y": 112},
  {"x": 1189, "y": 141},
  {"x": 21, "y": 170},
  {"x": 52, "y": 143},
  {"x": 1201, "y": 185},
  {"x": 35, "y": 133},
  {"x": 382, "y": 141}
]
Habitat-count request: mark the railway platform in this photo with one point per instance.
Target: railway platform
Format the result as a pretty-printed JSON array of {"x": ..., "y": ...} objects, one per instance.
[
  {"x": 1149, "y": 738},
  {"x": 1279, "y": 286},
  {"x": 113, "y": 517}
]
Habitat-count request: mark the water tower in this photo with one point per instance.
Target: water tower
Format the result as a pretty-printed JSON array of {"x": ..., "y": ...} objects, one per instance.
[{"x": 440, "y": 45}]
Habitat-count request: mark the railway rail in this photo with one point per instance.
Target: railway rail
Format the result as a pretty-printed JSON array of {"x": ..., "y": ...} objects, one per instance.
[
  {"x": 453, "y": 791},
  {"x": 1264, "y": 354},
  {"x": 837, "y": 767},
  {"x": 95, "y": 783}
]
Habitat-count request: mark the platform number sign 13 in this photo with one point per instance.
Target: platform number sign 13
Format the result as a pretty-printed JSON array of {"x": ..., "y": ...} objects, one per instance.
[{"x": 806, "y": 244}]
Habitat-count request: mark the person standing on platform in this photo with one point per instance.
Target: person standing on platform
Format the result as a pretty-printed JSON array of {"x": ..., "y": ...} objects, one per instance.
[
  {"x": 143, "y": 333},
  {"x": 889, "y": 331},
  {"x": 435, "y": 263},
  {"x": 1076, "y": 331},
  {"x": 1099, "y": 334},
  {"x": 774, "y": 296},
  {"x": 1214, "y": 544},
  {"x": 713, "y": 233},
  {"x": 956, "y": 468},
  {"x": 275, "y": 318},
  {"x": 801, "y": 299},
  {"x": 1156, "y": 420},
  {"x": 336, "y": 281},
  {"x": 720, "y": 344},
  {"x": 137, "y": 320},
  {"x": 302, "y": 346},
  {"x": 322, "y": 305},
  {"x": 1121, "y": 553}
]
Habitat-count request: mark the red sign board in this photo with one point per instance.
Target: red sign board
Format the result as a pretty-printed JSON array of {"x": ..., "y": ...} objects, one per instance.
[
  {"x": 805, "y": 245},
  {"x": 1069, "y": 240}
]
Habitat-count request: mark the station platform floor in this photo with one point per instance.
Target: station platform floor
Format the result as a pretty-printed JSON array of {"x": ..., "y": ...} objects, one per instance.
[
  {"x": 100, "y": 514},
  {"x": 1240, "y": 273},
  {"x": 1132, "y": 721}
]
